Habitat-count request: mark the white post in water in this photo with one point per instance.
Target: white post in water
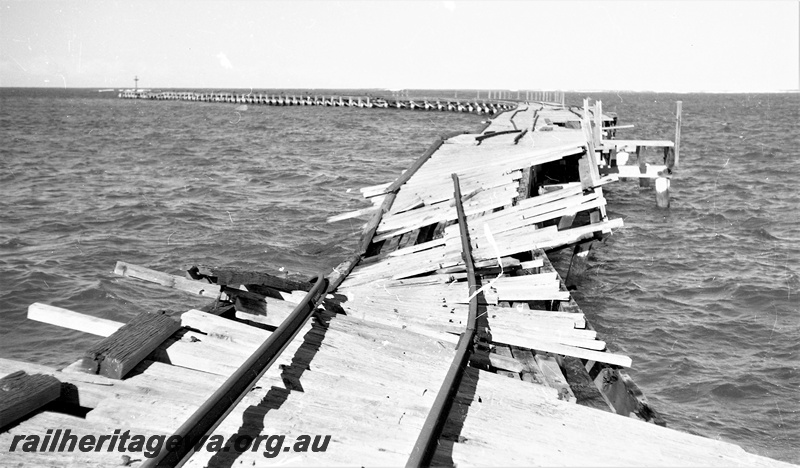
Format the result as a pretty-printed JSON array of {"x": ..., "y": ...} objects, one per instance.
[{"x": 662, "y": 192}]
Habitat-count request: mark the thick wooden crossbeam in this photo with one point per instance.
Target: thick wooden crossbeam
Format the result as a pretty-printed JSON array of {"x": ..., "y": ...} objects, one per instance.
[
  {"x": 117, "y": 354},
  {"x": 21, "y": 394},
  {"x": 582, "y": 385}
]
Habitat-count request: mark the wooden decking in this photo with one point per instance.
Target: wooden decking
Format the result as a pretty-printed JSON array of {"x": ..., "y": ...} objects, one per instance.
[{"x": 542, "y": 387}]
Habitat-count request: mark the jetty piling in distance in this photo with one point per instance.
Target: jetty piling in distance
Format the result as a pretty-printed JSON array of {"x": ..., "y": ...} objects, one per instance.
[{"x": 447, "y": 338}]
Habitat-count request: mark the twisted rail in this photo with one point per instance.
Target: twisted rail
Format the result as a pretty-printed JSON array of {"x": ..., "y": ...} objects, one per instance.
[{"x": 429, "y": 436}]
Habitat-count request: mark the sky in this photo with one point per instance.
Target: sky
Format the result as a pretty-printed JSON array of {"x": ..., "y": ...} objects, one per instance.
[{"x": 681, "y": 46}]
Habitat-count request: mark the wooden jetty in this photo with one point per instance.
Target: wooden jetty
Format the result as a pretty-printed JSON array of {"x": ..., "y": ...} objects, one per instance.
[
  {"x": 490, "y": 104},
  {"x": 447, "y": 339}
]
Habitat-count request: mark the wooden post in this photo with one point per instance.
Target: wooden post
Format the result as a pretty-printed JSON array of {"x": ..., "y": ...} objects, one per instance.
[
  {"x": 640, "y": 159},
  {"x": 677, "y": 134},
  {"x": 598, "y": 122},
  {"x": 662, "y": 192},
  {"x": 578, "y": 264}
]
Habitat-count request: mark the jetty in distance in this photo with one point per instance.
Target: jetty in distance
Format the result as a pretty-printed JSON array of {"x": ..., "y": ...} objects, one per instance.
[
  {"x": 446, "y": 339},
  {"x": 380, "y": 100}
]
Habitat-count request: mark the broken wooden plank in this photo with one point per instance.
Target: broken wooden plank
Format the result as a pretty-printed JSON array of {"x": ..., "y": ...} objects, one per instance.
[
  {"x": 608, "y": 144},
  {"x": 624, "y": 396},
  {"x": 497, "y": 361},
  {"x": 651, "y": 171},
  {"x": 117, "y": 354},
  {"x": 201, "y": 288},
  {"x": 531, "y": 372},
  {"x": 530, "y": 264},
  {"x": 237, "y": 276},
  {"x": 374, "y": 190},
  {"x": 352, "y": 214},
  {"x": 273, "y": 310},
  {"x": 76, "y": 321},
  {"x": 502, "y": 355},
  {"x": 537, "y": 293},
  {"x": 221, "y": 328},
  {"x": 541, "y": 344},
  {"x": 554, "y": 377}
]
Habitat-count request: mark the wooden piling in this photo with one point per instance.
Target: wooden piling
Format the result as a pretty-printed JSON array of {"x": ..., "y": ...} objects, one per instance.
[
  {"x": 662, "y": 192},
  {"x": 641, "y": 160},
  {"x": 598, "y": 122}
]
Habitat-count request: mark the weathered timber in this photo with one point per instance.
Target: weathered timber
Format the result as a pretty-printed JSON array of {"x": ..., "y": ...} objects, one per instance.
[
  {"x": 647, "y": 171},
  {"x": 352, "y": 214},
  {"x": 534, "y": 429},
  {"x": 223, "y": 329},
  {"x": 117, "y": 354},
  {"x": 201, "y": 288},
  {"x": 21, "y": 394},
  {"x": 496, "y": 361},
  {"x": 274, "y": 311},
  {"x": 503, "y": 355},
  {"x": 578, "y": 264},
  {"x": 237, "y": 276},
  {"x": 625, "y": 397},
  {"x": 548, "y": 345},
  {"x": 554, "y": 377},
  {"x": 531, "y": 372},
  {"x": 582, "y": 385}
]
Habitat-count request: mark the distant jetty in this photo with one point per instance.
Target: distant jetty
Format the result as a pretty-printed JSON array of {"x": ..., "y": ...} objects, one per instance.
[{"x": 477, "y": 105}]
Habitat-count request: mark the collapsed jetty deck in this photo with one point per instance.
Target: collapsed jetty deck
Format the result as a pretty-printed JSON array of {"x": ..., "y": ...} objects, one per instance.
[{"x": 448, "y": 338}]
